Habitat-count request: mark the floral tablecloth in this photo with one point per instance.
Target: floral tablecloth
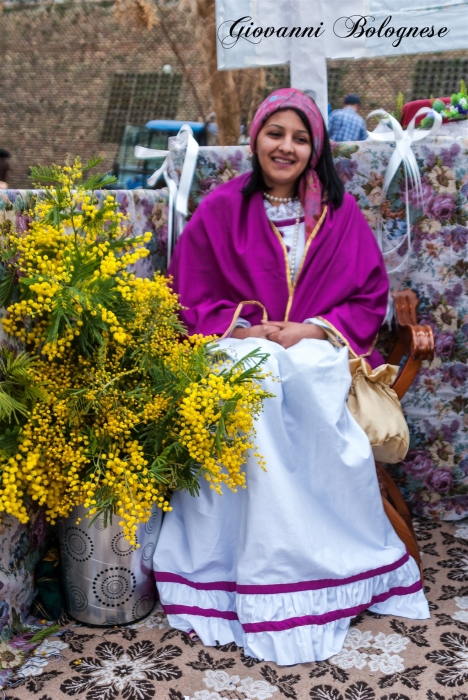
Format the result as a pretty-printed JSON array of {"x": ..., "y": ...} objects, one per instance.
[
  {"x": 434, "y": 476},
  {"x": 21, "y": 547}
]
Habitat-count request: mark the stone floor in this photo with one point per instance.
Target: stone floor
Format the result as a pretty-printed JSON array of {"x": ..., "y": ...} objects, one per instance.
[{"x": 384, "y": 658}]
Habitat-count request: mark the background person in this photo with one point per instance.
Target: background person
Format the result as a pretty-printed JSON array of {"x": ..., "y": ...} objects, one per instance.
[
  {"x": 211, "y": 129},
  {"x": 346, "y": 124},
  {"x": 4, "y": 168},
  {"x": 243, "y": 139}
]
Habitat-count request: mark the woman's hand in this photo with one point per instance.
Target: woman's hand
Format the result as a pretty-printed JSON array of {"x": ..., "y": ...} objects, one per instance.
[
  {"x": 287, "y": 333},
  {"x": 254, "y": 331}
]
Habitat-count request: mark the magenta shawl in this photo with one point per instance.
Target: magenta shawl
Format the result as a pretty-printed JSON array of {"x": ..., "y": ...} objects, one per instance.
[{"x": 229, "y": 253}]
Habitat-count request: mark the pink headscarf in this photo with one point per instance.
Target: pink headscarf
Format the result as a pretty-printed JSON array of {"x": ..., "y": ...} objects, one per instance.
[{"x": 310, "y": 187}]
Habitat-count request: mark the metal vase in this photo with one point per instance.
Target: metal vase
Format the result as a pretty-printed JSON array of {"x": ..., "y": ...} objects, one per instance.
[{"x": 106, "y": 580}]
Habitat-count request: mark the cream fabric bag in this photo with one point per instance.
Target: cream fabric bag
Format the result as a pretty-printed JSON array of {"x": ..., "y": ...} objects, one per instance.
[
  {"x": 375, "y": 406},
  {"x": 377, "y": 409}
]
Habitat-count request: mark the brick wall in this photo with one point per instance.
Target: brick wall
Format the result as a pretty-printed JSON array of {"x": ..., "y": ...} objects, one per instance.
[{"x": 57, "y": 63}]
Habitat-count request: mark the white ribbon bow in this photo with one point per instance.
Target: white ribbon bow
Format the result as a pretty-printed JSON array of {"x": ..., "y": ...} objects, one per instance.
[
  {"x": 403, "y": 153},
  {"x": 178, "y": 196}
]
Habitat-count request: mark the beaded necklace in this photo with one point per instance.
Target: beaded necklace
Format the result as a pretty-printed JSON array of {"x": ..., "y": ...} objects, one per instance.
[{"x": 296, "y": 229}]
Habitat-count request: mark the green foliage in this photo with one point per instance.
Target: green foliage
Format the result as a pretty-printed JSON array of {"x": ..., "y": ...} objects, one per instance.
[
  {"x": 8, "y": 275},
  {"x": 182, "y": 470},
  {"x": 44, "y": 633},
  {"x": 19, "y": 392},
  {"x": 438, "y": 105},
  {"x": 456, "y": 110},
  {"x": 397, "y": 112},
  {"x": 18, "y": 387},
  {"x": 9, "y": 439},
  {"x": 72, "y": 214},
  {"x": 6, "y": 285},
  {"x": 51, "y": 175}
]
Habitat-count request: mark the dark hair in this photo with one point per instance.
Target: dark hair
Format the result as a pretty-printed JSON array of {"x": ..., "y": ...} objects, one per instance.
[
  {"x": 352, "y": 100},
  {"x": 333, "y": 187}
]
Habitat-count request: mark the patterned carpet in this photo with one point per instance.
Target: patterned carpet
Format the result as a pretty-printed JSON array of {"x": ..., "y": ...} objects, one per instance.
[{"x": 384, "y": 658}]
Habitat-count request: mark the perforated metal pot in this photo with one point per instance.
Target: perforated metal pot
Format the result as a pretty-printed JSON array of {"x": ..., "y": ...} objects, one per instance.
[{"x": 107, "y": 581}]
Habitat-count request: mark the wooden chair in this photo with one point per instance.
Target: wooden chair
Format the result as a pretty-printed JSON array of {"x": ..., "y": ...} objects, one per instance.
[{"x": 417, "y": 344}]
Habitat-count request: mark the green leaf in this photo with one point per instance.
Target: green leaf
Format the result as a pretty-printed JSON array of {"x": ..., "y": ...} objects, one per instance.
[
  {"x": 92, "y": 162},
  {"x": 7, "y": 287},
  {"x": 44, "y": 633},
  {"x": 45, "y": 173},
  {"x": 18, "y": 388},
  {"x": 99, "y": 182},
  {"x": 9, "y": 439}
]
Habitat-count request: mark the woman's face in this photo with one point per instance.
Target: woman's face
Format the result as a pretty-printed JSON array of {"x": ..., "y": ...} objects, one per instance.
[{"x": 283, "y": 148}]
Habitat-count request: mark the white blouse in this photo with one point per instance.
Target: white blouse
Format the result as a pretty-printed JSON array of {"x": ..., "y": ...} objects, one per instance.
[{"x": 284, "y": 217}]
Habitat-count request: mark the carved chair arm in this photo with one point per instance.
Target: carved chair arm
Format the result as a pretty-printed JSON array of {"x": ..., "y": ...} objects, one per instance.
[{"x": 414, "y": 341}]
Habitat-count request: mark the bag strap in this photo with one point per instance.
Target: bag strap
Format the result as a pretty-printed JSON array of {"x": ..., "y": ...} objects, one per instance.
[{"x": 237, "y": 313}]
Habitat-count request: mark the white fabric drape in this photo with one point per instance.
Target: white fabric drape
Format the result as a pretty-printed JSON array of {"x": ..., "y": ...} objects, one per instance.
[{"x": 307, "y": 55}]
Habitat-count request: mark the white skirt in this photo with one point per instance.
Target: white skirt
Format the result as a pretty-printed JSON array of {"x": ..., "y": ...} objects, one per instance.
[{"x": 281, "y": 567}]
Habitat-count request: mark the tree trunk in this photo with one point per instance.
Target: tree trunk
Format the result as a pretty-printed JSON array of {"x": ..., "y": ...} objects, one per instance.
[
  {"x": 251, "y": 84},
  {"x": 226, "y": 102}
]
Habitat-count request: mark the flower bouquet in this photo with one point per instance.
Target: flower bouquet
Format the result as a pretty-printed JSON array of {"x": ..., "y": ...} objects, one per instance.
[
  {"x": 456, "y": 110},
  {"x": 115, "y": 406}
]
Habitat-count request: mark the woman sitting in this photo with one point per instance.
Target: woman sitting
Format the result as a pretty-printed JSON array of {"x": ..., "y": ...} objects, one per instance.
[{"x": 282, "y": 567}]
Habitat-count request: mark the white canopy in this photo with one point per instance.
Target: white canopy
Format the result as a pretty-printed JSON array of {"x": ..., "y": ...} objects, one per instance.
[{"x": 307, "y": 54}]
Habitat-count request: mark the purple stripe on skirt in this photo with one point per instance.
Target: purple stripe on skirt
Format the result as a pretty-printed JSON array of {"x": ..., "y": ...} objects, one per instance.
[
  {"x": 281, "y": 625},
  {"x": 202, "y": 612},
  {"x": 165, "y": 577},
  {"x": 231, "y": 586}
]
